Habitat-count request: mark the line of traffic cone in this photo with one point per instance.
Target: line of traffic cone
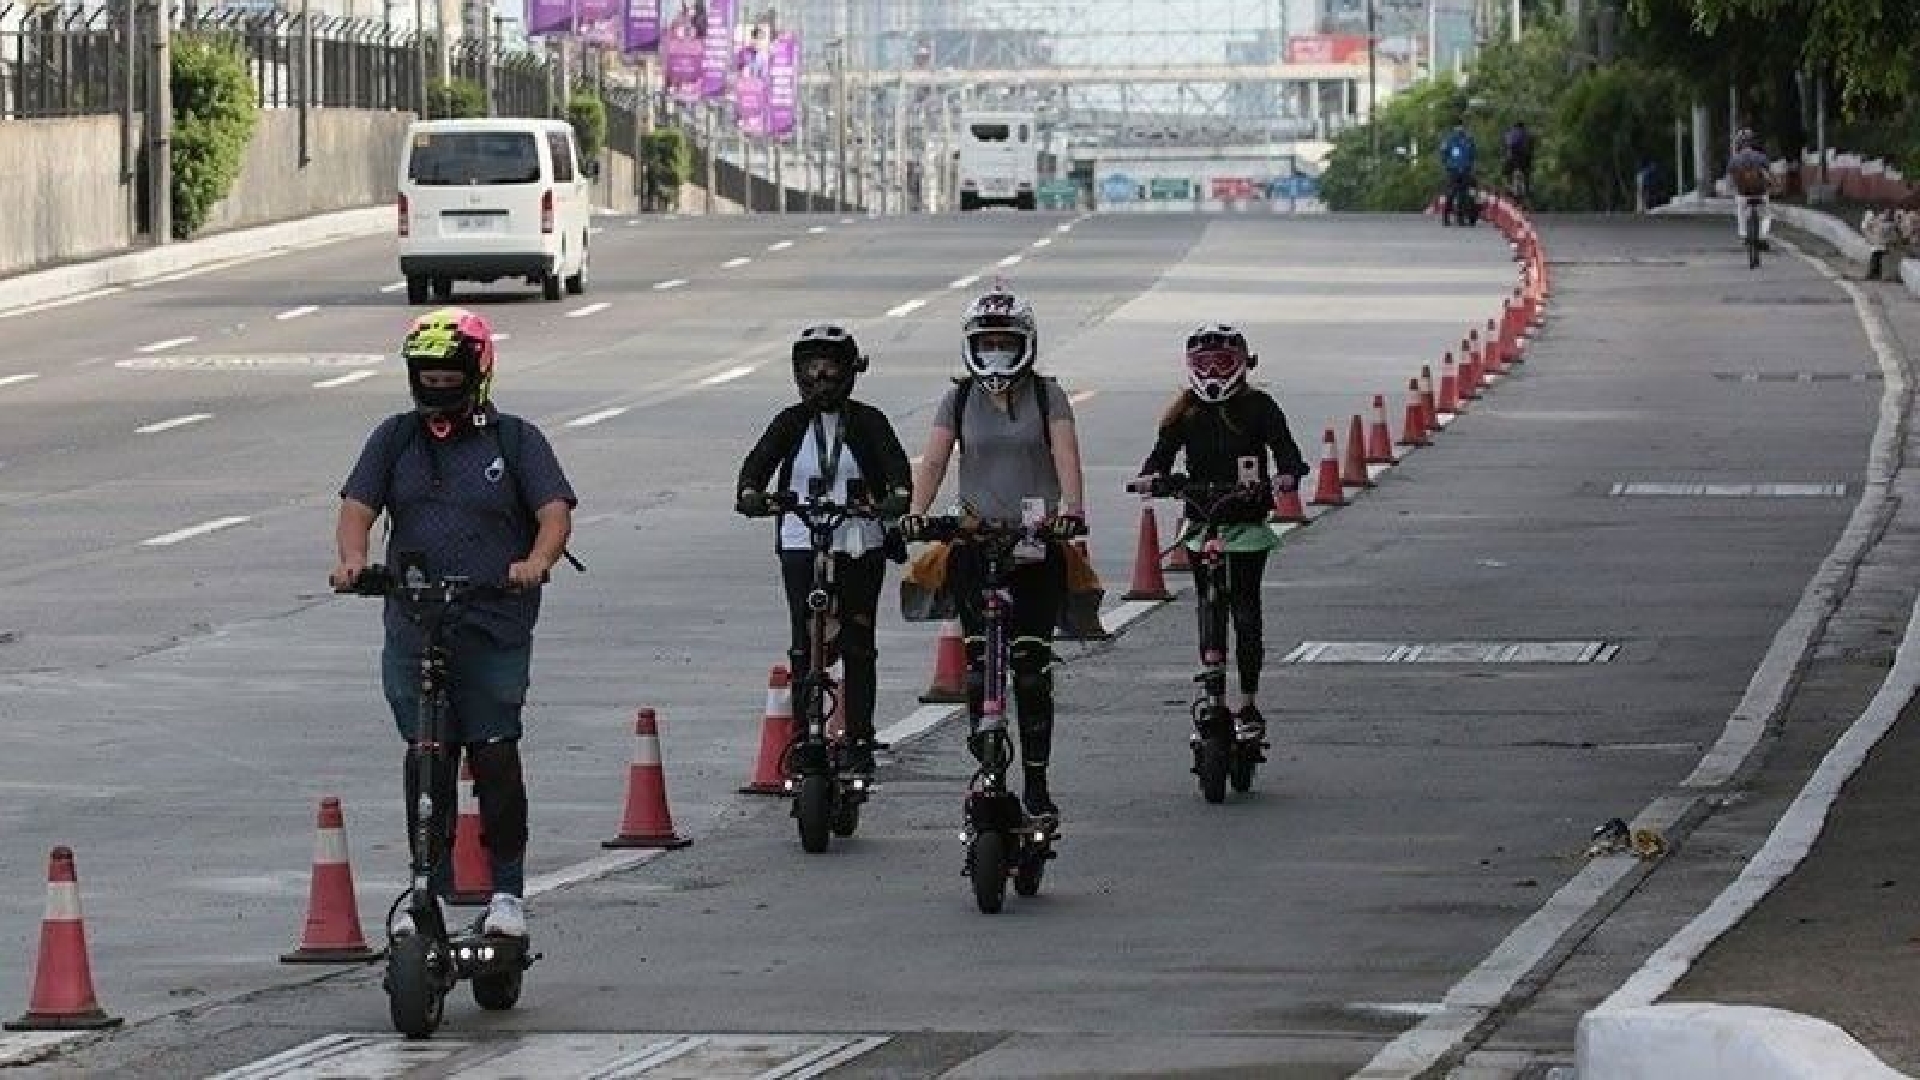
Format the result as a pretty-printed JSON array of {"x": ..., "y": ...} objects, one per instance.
[
  {"x": 1449, "y": 386},
  {"x": 647, "y": 822},
  {"x": 332, "y": 934},
  {"x": 472, "y": 870},
  {"x": 62, "y": 998},
  {"x": 1413, "y": 426},
  {"x": 1327, "y": 490},
  {"x": 1353, "y": 466},
  {"x": 1148, "y": 582},
  {"x": 776, "y": 732},
  {"x": 949, "y": 685},
  {"x": 1380, "y": 435},
  {"x": 1287, "y": 508}
]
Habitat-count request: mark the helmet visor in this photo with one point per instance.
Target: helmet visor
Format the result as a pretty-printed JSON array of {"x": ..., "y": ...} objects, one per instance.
[
  {"x": 1216, "y": 364},
  {"x": 997, "y": 352}
]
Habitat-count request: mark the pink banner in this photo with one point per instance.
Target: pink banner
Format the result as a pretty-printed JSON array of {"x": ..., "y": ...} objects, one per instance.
[
  {"x": 717, "y": 61},
  {"x": 750, "y": 103},
  {"x": 783, "y": 84},
  {"x": 641, "y": 27},
  {"x": 683, "y": 48}
]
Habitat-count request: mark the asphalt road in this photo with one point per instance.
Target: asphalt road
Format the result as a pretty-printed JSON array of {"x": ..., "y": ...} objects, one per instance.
[{"x": 177, "y": 701}]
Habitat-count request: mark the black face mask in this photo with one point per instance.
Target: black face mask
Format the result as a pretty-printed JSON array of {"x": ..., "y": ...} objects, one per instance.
[
  {"x": 824, "y": 386},
  {"x": 434, "y": 400}
]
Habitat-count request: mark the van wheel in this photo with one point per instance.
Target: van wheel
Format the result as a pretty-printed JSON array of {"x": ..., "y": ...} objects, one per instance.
[
  {"x": 1025, "y": 201},
  {"x": 969, "y": 201},
  {"x": 443, "y": 288},
  {"x": 550, "y": 286},
  {"x": 577, "y": 282},
  {"x": 416, "y": 288}
]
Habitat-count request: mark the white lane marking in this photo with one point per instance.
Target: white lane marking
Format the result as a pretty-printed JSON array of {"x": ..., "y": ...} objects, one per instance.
[
  {"x": 816, "y": 230},
  {"x": 170, "y": 343},
  {"x": 1126, "y": 614},
  {"x": 1397, "y": 1008},
  {"x": 1011, "y": 260},
  {"x": 846, "y": 221},
  {"x": 918, "y": 722},
  {"x": 593, "y": 418},
  {"x": 631, "y": 222},
  {"x": 1045, "y": 241},
  {"x": 903, "y": 310},
  {"x": 967, "y": 282},
  {"x": 781, "y": 246},
  {"x": 591, "y": 869},
  {"x": 344, "y": 380},
  {"x": 735, "y": 263},
  {"x": 64, "y": 301},
  {"x": 595, "y": 230},
  {"x": 295, "y": 313},
  {"x": 1730, "y": 491},
  {"x": 1068, "y": 227},
  {"x": 169, "y": 425},
  {"x": 728, "y": 375},
  {"x": 14, "y": 380},
  {"x": 670, "y": 283},
  {"x": 29, "y": 1046},
  {"x": 590, "y": 309},
  {"x": 191, "y": 531},
  {"x": 1079, "y": 396},
  {"x": 502, "y": 335},
  {"x": 393, "y": 288}
]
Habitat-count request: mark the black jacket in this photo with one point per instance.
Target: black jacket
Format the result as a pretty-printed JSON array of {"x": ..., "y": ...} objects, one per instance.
[
  {"x": 1215, "y": 438},
  {"x": 869, "y": 437}
]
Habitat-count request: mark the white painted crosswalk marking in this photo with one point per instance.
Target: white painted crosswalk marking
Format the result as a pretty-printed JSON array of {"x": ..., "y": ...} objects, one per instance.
[{"x": 563, "y": 1056}]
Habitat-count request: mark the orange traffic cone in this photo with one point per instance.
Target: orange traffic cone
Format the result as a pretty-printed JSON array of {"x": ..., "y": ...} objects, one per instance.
[
  {"x": 1380, "y": 435},
  {"x": 1469, "y": 371},
  {"x": 1413, "y": 425},
  {"x": 647, "y": 822},
  {"x": 1496, "y": 348},
  {"x": 949, "y": 685},
  {"x": 1429, "y": 401},
  {"x": 332, "y": 935},
  {"x": 1353, "y": 468},
  {"x": 62, "y": 979},
  {"x": 1177, "y": 554},
  {"x": 1449, "y": 386},
  {"x": 776, "y": 732},
  {"x": 1287, "y": 509},
  {"x": 472, "y": 871},
  {"x": 1326, "y": 480},
  {"x": 1148, "y": 582}
]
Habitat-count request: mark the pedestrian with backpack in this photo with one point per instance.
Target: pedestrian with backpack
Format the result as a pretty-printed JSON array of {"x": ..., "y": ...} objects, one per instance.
[{"x": 478, "y": 493}]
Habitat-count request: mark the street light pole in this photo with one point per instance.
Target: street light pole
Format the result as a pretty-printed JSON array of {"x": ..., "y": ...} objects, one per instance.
[{"x": 1373, "y": 77}]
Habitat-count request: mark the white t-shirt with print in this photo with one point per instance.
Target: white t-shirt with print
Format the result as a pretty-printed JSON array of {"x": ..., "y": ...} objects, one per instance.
[{"x": 854, "y": 537}]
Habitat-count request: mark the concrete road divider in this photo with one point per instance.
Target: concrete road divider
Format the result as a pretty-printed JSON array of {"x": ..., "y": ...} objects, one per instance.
[{"x": 1705, "y": 1041}]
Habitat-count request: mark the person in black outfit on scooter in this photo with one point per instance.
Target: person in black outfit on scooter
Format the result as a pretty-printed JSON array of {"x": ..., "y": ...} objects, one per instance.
[
  {"x": 1215, "y": 422},
  {"x": 832, "y": 437}
]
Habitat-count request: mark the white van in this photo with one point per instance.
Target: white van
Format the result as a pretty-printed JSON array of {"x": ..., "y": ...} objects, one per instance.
[
  {"x": 999, "y": 159},
  {"x": 489, "y": 198}
]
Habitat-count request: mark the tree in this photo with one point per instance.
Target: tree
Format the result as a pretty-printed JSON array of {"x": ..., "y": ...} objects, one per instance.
[{"x": 213, "y": 120}]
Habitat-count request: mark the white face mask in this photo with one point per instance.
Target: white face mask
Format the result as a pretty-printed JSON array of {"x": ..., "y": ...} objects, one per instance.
[{"x": 996, "y": 359}]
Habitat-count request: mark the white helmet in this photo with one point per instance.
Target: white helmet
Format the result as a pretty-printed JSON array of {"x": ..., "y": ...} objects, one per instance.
[
  {"x": 1217, "y": 362},
  {"x": 999, "y": 340}
]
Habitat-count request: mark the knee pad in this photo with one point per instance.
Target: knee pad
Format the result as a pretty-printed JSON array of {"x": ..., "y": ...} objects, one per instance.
[
  {"x": 1032, "y": 662},
  {"x": 502, "y": 790}
]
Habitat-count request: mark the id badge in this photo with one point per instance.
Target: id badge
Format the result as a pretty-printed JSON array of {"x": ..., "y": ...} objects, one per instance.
[{"x": 1249, "y": 470}]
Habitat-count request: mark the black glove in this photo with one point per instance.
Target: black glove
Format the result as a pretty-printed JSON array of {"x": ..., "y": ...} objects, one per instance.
[
  {"x": 913, "y": 527},
  {"x": 750, "y": 503},
  {"x": 1067, "y": 526},
  {"x": 894, "y": 506}
]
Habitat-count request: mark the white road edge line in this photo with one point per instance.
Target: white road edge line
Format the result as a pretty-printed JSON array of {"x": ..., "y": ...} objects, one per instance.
[
  {"x": 347, "y": 379},
  {"x": 902, "y": 310},
  {"x": 65, "y": 301},
  {"x": 15, "y": 380},
  {"x": 735, "y": 263},
  {"x": 593, "y": 418},
  {"x": 670, "y": 283},
  {"x": 169, "y": 425},
  {"x": 727, "y": 376},
  {"x": 590, "y": 309},
  {"x": 295, "y": 313},
  {"x": 967, "y": 282},
  {"x": 191, "y": 531},
  {"x": 170, "y": 343}
]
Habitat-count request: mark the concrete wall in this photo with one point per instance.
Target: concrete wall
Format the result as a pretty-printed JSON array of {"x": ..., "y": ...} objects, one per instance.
[
  {"x": 62, "y": 180},
  {"x": 354, "y": 161}
]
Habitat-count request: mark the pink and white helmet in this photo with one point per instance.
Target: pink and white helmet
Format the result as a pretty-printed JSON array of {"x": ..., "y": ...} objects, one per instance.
[{"x": 1217, "y": 362}]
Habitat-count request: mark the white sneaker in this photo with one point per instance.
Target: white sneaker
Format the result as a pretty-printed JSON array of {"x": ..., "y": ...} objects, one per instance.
[
  {"x": 402, "y": 924},
  {"x": 506, "y": 915}
]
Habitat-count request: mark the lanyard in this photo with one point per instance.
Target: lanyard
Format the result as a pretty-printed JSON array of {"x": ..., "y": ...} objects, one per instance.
[{"x": 829, "y": 463}]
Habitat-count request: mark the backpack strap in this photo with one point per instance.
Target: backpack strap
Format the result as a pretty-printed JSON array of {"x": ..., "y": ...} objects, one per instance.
[{"x": 964, "y": 387}]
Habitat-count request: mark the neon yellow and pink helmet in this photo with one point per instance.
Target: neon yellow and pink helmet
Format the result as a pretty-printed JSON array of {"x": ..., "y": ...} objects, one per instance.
[{"x": 450, "y": 339}]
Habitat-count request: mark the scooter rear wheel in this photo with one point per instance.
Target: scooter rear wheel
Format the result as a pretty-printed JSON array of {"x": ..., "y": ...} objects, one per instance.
[
  {"x": 989, "y": 871},
  {"x": 1240, "y": 775},
  {"x": 846, "y": 818},
  {"x": 1027, "y": 875},
  {"x": 415, "y": 999},
  {"x": 1210, "y": 765},
  {"x": 497, "y": 993},
  {"x": 813, "y": 812}
]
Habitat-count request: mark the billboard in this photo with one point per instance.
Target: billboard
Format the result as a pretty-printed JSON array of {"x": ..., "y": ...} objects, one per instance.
[{"x": 1327, "y": 49}]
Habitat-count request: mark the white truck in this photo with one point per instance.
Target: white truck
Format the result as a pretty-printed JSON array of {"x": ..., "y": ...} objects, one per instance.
[{"x": 999, "y": 160}]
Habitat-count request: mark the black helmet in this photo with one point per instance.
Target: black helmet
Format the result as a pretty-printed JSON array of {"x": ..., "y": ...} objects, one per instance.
[{"x": 826, "y": 385}]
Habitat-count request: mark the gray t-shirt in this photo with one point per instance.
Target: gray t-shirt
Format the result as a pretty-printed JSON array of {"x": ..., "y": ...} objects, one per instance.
[{"x": 1004, "y": 456}]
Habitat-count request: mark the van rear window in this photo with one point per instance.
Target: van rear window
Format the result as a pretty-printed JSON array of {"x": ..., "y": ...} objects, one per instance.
[
  {"x": 464, "y": 158},
  {"x": 989, "y": 132}
]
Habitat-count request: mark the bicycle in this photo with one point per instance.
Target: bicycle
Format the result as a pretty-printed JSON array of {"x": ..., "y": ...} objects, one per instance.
[
  {"x": 826, "y": 796},
  {"x": 1750, "y": 228},
  {"x": 1003, "y": 843},
  {"x": 1222, "y": 754},
  {"x": 425, "y": 965}
]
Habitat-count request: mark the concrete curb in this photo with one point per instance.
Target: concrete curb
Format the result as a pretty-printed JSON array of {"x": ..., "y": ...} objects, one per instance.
[
  {"x": 1719, "y": 1042},
  {"x": 78, "y": 279},
  {"x": 1844, "y": 237}
]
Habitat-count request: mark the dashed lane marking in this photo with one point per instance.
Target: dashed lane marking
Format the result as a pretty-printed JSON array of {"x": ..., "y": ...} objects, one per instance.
[
  {"x": 727, "y": 376},
  {"x": 348, "y": 379},
  {"x": 816, "y": 230},
  {"x": 168, "y": 425},
  {"x": 169, "y": 343},
  {"x": 191, "y": 531},
  {"x": 735, "y": 263},
  {"x": 781, "y": 246},
  {"x": 670, "y": 283},
  {"x": 394, "y": 287},
  {"x": 590, "y": 309},
  {"x": 1045, "y": 241},
  {"x": 902, "y": 310},
  {"x": 15, "y": 380},
  {"x": 299, "y": 312},
  {"x": 967, "y": 282},
  {"x": 1011, "y": 260},
  {"x": 593, "y": 418}
]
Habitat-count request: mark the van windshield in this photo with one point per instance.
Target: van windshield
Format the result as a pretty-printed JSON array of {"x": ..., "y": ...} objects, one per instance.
[{"x": 474, "y": 157}]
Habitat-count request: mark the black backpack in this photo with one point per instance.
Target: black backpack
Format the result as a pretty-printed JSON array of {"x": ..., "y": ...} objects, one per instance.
[
  {"x": 508, "y": 434},
  {"x": 964, "y": 386}
]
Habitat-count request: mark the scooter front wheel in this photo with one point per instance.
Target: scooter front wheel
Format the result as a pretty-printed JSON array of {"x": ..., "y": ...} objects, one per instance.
[
  {"x": 1210, "y": 765},
  {"x": 416, "y": 1000},
  {"x": 497, "y": 993},
  {"x": 846, "y": 818},
  {"x": 813, "y": 812},
  {"x": 1240, "y": 773},
  {"x": 1028, "y": 872},
  {"x": 989, "y": 870}
]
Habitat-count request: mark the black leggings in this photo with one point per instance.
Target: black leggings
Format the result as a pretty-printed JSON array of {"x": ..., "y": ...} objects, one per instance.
[
  {"x": 859, "y": 580},
  {"x": 1244, "y": 571},
  {"x": 1039, "y": 592}
]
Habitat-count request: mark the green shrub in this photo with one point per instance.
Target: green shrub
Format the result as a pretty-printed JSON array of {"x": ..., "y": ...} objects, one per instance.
[
  {"x": 667, "y": 157},
  {"x": 456, "y": 100},
  {"x": 588, "y": 115},
  {"x": 213, "y": 120}
]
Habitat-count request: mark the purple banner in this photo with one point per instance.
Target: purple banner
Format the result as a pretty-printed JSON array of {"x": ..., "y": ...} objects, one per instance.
[
  {"x": 750, "y": 103},
  {"x": 717, "y": 62},
  {"x": 640, "y": 30},
  {"x": 683, "y": 49},
  {"x": 598, "y": 18},
  {"x": 783, "y": 84},
  {"x": 548, "y": 16}
]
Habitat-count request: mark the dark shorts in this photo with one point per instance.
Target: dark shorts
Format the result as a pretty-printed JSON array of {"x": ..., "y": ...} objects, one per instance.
[{"x": 488, "y": 688}]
